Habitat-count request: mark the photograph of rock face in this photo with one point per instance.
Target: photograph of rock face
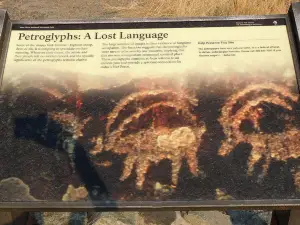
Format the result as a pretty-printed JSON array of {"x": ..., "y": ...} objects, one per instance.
[
  {"x": 151, "y": 136},
  {"x": 191, "y": 136}
]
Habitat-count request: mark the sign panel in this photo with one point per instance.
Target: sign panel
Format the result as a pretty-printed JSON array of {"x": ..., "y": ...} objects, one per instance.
[{"x": 182, "y": 110}]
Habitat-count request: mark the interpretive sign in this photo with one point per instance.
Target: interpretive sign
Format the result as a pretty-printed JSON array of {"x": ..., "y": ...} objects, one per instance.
[{"x": 153, "y": 113}]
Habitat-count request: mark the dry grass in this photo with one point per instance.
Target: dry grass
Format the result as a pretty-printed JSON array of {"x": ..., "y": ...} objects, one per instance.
[
  {"x": 96, "y": 9},
  {"x": 192, "y": 8}
]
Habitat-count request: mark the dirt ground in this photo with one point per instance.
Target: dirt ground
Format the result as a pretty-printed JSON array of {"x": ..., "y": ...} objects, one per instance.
[{"x": 95, "y": 9}]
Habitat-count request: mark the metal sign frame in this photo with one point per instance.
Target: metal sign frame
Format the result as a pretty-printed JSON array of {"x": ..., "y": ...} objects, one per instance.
[{"x": 293, "y": 25}]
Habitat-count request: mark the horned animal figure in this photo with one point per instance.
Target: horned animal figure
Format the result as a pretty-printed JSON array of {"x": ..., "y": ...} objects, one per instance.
[
  {"x": 247, "y": 105},
  {"x": 150, "y": 126}
]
